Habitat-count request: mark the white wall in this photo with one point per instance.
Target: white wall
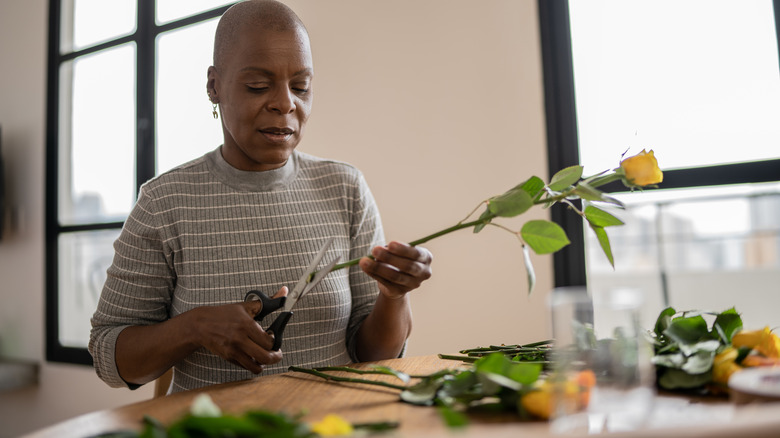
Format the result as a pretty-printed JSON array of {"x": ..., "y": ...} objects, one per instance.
[{"x": 438, "y": 102}]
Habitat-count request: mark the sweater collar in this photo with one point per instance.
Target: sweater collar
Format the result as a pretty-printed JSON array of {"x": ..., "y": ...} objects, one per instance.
[{"x": 250, "y": 181}]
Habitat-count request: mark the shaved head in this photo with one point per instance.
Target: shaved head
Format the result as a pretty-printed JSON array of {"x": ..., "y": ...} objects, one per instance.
[{"x": 258, "y": 14}]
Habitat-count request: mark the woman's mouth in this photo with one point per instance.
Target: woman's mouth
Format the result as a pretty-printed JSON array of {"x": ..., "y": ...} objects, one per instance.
[{"x": 277, "y": 134}]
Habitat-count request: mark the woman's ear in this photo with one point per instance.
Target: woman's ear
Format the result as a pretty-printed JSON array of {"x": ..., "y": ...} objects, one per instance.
[{"x": 211, "y": 85}]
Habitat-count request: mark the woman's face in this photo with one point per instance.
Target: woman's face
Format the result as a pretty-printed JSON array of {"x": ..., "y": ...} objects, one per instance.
[{"x": 264, "y": 92}]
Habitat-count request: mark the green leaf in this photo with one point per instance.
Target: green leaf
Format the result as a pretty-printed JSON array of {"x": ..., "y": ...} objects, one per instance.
[
  {"x": 565, "y": 178},
  {"x": 600, "y": 218},
  {"x": 534, "y": 187},
  {"x": 728, "y": 323},
  {"x": 422, "y": 393},
  {"x": 529, "y": 269},
  {"x": 672, "y": 378},
  {"x": 500, "y": 381},
  {"x": 675, "y": 360},
  {"x": 486, "y": 216},
  {"x": 524, "y": 373},
  {"x": 699, "y": 363},
  {"x": 512, "y": 203},
  {"x": 707, "y": 346},
  {"x": 664, "y": 319},
  {"x": 601, "y": 235},
  {"x": 451, "y": 417},
  {"x": 687, "y": 330},
  {"x": 459, "y": 385},
  {"x": 492, "y": 363},
  {"x": 585, "y": 191},
  {"x": 544, "y": 237}
]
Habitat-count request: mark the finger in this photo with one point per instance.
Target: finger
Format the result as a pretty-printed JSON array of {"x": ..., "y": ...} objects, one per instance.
[
  {"x": 248, "y": 363},
  {"x": 261, "y": 338},
  {"x": 261, "y": 356},
  {"x": 283, "y": 291},
  {"x": 415, "y": 253},
  {"x": 387, "y": 274},
  {"x": 405, "y": 265}
]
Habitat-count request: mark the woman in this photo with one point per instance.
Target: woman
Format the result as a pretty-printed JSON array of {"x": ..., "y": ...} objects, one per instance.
[{"x": 250, "y": 215}]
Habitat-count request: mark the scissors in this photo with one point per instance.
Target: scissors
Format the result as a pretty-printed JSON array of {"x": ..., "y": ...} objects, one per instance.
[{"x": 287, "y": 303}]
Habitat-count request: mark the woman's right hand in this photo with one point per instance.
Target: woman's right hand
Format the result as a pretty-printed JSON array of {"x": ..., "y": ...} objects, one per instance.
[{"x": 231, "y": 332}]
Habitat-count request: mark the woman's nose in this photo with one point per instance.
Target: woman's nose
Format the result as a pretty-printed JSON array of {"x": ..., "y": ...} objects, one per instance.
[{"x": 282, "y": 101}]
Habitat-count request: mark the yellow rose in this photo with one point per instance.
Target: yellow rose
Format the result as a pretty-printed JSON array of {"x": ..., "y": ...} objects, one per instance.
[
  {"x": 723, "y": 366},
  {"x": 642, "y": 169},
  {"x": 332, "y": 425},
  {"x": 763, "y": 341}
]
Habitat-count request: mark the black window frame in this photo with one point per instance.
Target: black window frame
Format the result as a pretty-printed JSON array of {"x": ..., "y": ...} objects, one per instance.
[
  {"x": 563, "y": 143},
  {"x": 145, "y": 36}
]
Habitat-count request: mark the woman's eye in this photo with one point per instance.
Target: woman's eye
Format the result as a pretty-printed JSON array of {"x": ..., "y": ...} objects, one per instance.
[{"x": 256, "y": 88}]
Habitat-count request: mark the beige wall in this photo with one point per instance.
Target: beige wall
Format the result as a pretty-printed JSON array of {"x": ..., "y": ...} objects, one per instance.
[{"x": 438, "y": 102}]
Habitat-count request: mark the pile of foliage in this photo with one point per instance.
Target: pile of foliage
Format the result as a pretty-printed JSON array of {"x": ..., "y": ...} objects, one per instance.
[{"x": 698, "y": 351}]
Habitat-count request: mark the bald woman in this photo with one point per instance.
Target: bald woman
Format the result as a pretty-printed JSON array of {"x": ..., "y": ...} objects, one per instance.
[{"x": 250, "y": 215}]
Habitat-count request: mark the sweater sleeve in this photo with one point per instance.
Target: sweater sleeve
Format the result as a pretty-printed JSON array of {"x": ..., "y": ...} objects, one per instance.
[
  {"x": 138, "y": 287},
  {"x": 366, "y": 232}
]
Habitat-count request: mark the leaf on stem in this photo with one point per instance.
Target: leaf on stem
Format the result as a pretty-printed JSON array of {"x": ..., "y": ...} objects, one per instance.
[
  {"x": 512, "y": 203},
  {"x": 534, "y": 186},
  {"x": 589, "y": 193},
  {"x": 422, "y": 393},
  {"x": 565, "y": 178},
  {"x": 486, "y": 218},
  {"x": 601, "y": 235},
  {"x": 600, "y": 218},
  {"x": 544, "y": 237}
]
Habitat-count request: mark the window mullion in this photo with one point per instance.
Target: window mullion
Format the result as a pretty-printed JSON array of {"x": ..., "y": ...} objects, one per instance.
[{"x": 145, "y": 92}]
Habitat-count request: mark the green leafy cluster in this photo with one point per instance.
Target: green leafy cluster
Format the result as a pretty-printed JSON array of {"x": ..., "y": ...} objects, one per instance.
[
  {"x": 250, "y": 424},
  {"x": 492, "y": 381},
  {"x": 686, "y": 344},
  {"x": 200, "y": 423}
]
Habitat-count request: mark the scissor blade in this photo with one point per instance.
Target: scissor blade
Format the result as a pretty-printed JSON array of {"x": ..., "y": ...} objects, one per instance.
[
  {"x": 321, "y": 274},
  {"x": 294, "y": 294}
]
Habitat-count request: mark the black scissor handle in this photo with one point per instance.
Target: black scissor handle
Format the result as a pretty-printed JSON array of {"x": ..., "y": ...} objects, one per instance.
[
  {"x": 277, "y": 329},
  {"x": 269, "y": 304}
]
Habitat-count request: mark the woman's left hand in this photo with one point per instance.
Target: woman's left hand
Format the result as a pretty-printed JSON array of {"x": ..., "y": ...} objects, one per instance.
[{"x": 398, "y": 267}]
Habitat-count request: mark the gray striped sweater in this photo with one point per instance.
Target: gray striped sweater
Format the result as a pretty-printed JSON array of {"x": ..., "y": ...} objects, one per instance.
[{"x": 205, "y": 233}]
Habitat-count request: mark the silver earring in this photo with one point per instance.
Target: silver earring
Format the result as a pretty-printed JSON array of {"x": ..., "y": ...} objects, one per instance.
[{"x": 213, "y": 106}]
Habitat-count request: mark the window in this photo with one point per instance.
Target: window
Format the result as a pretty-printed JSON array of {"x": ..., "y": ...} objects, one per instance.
[
  {"x": 700, "y": 86},
  {"x": 126, "y": 99}
]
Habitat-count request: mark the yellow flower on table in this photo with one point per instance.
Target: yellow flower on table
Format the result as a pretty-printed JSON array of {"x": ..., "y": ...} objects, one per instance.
[
  {"x": 724, "y": 365},
  {"x": 763, "y": 341},
  {"x": 642, "y": 169},
  {"x": 332, "y": 425}
]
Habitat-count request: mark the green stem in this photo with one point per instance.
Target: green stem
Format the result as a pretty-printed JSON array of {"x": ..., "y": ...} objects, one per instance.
[
  {"x": 346, "y": 379},
  {"x": 457, "y": 227}
]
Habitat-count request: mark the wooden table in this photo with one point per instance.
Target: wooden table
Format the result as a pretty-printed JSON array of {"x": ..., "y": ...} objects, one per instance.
[{"x": 296, "y": 392}]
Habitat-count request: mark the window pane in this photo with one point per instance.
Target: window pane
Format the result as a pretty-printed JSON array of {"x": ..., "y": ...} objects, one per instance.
[
  {"x": 169, "y": 10},
  {"x": 186, "y": 128},
  {"x": 720, "y": 247},
  {"x": 83, "y": 261},
  {"x": 97, "y": 141},
  {"x": 88, "y": 22},
  {"x": 695, "y": 80}
]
